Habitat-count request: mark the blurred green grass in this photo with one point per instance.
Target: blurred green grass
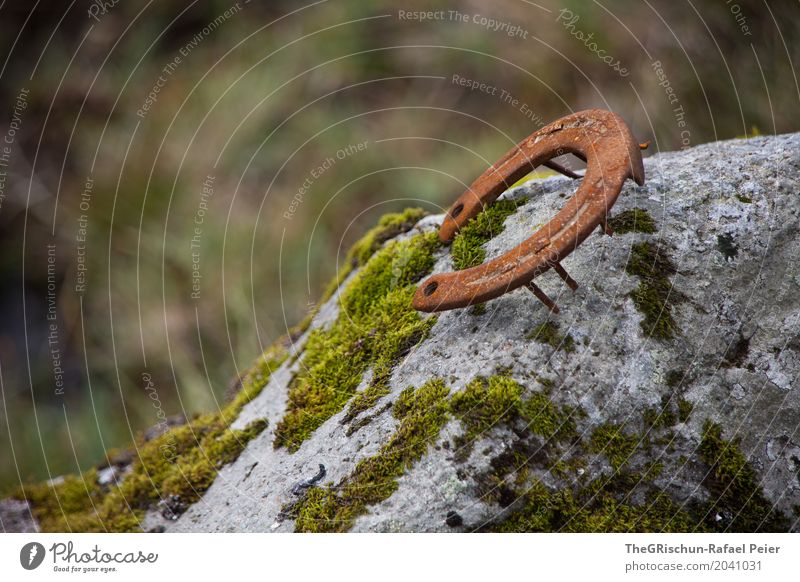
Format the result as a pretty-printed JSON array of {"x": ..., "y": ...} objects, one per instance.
[{"x": 258, "y": 106}]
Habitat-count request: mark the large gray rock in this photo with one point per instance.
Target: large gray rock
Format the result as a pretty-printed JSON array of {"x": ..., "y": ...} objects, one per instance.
[
  {"x": 691, "y": 424},
  {"x": 727, "y": 214}
]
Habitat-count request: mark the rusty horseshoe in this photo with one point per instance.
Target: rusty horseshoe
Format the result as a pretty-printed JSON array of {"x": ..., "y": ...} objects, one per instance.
[{"x": 599, "y": 138}]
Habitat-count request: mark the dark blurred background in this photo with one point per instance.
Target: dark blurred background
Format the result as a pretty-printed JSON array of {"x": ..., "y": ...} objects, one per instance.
[{"x": 153, "y": 239}]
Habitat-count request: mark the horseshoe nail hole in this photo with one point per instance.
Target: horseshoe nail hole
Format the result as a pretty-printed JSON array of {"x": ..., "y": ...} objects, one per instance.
[
  {"x": 457, "y": 210},
  {"x": 430, "y": 288}
]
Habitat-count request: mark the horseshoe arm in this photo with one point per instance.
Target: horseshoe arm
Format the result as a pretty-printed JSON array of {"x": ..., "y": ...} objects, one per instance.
[{"x": 612, "y": 156}]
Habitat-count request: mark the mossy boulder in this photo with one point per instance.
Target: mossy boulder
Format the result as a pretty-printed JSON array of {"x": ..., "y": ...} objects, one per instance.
[{"x": 663, "y": 397}]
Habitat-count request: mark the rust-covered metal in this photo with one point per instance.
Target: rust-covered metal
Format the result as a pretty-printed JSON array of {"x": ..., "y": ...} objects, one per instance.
[{"x": 600, "y": 138}]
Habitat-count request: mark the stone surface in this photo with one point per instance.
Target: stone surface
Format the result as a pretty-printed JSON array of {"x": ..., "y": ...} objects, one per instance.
[{"x": 15, "y": 516}]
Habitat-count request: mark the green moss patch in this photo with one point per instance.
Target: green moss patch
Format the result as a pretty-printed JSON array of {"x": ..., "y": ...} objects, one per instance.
[
  {"x": 736, "y": 495},
  {"x": 611, "y": 441},
  {"x": 605, "y": 503},
  {"x": 661, "y": 416},
  {"x": 389, "y": 226},
  {"x": 547, "y": 420},
  {"x": 601, "y": 506},
  {"x": 548, "y": 333},
  {"x": 633, "y": 220},
  {"x": 655, "y": 297},
  {"x": 478, "y": 309},
  {"x": 421, "y": 414},
  {"x": 180, "y": 464},
  {"x": 674, "y": 378},
  {"x": 486, "y": 402},
  {"x": 498, "y": 401},
  {"x": 467, "y": 249},
  {"x": 685, "y": 408},
  {"x": 376, "y": 326}
]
